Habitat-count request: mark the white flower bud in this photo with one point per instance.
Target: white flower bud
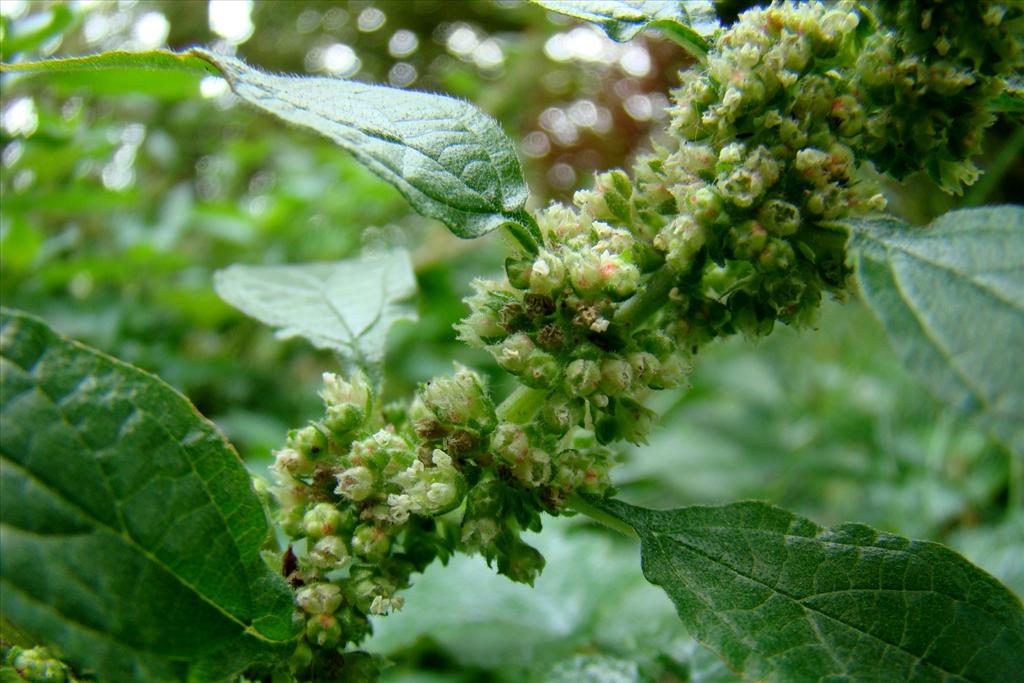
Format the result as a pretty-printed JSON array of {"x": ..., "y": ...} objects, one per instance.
[
  {"x": 330, "y": 552},
  {"x": 356, "y": 483},
  {"x": 548, "y": 274},
  {"x": 320, "y": 598}
]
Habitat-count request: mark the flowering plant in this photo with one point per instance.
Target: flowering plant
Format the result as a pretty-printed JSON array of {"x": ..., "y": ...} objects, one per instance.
[{"x": 765, "y": 196}]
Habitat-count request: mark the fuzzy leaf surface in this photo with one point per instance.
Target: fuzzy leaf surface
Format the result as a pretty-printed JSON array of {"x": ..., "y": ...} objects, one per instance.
[
  {"x": 130, "y": 533},
  {"x": 951, "y": 298},
  {"x": 689, "y": 22},
  {"x": 346, "y": 306},
  {"x": 783, "y": 599},
  {"x": 450, "y": 160}
]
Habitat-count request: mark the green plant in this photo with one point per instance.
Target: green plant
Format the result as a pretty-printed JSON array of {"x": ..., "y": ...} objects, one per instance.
[{"x": 768, "y": 198}]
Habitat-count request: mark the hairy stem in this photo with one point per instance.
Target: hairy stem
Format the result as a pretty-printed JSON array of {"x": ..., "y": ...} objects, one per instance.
[
  {"x": 647, "y": 301},
  {"x": 521, "y": 405},
  {"x": 579, "y": 504}
]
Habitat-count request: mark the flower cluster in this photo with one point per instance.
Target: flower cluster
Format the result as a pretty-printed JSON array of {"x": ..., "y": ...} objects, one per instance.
[
  {"x": 550, "y": 323},
  {"x": 730, "y": 229},
  {"x": 767, "y": 155},
  {"x": 37, "y": 665},
  {"x": 372, "y": 494},
  {"x": 925, "y": 84}
]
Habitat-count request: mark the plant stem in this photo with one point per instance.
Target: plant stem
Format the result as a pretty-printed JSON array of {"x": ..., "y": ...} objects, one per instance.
[
  {"x": 577, "y": 503},
  {"x": 522, "y": 404},
  {"x": 648, "y": 301}
]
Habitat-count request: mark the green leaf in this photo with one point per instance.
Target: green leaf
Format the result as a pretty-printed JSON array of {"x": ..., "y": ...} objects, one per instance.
[
  {"x": 951, "y": 297},
  {"x": 1011, "y": 100},
  {"x": 451, "y": 161},
  {"x": 192, "y": 61},
  {"x": 346, "y": 306},
  {"x": 130, "y": 533},
  {"x": 782, "y": 599},
  {"x": 688, "y": 22},
  {"x": 119, "y": 73}
]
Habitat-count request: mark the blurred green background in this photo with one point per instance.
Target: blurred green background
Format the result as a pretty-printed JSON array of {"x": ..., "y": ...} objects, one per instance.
[{"x": 122, "y": 196}]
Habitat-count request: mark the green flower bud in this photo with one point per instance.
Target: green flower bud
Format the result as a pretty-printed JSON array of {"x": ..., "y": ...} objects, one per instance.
[
  {"x": 634, "y": 421},
  {"x": 343, "y": 418},
  {"x": 291, "y": 521},
  {"x": 478, "y": 533},
  {"x": 37, "y": 665},
  {"x": 560, "y": 413},
  {"x": 547, "y": 275},
  {"x": 742, "y": 187},
  {"x": 576, "y": 470},
  {"x": 513, "y": 353},
  {"x": 330, "y": 552},
  {"x": 293, "y": 462},
  {"x": 672, "y": 373},
  {"x": 459, "y": 400},
  {"x": 541, "y": 370},
  {"x": 356, "y": 483},
  {"x": 748, "y": 240},
  {"x": 364, "y": 587},
  {"x": 779, "y": 217},
  {"x": 620, "y": 279},
  {"x": 694, "y": 159},
  {"x": 320, "y": 598},
  {"x": 616, "y": 376},
  {"x": 848, "y": 113},
  {"x": 645, "y": 366},
  {"x": 510, "y": 443},
  {"x": 323, "y": 630},
  {"x": 681, "y": 240},
  {"x": 384, "y": 452},
  {"x": 309, "y": 441},
  {"x": 655, "y": 342},
  {"x": 481, "y": 326},
  {"x": 322, "y": 520},
  {"x": 584, "y": 272},
  {"x": 337, "y": 391},
  {"x": 534, "y": 469},
  {"x": 347, "y": 403},
  {"x": 371, "y": 543},
  {"x": 777, "y": 255},
  {"x": 705, "y": 205},
  {"x": 582, "y": 377}
]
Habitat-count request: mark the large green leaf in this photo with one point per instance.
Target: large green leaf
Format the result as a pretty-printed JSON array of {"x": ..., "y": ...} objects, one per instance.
[
  {"x": 951, "y": 297},
  {"x": 450, "y": 160},
  {"x": 782, "y": 599},
  {"x": 130, "y": 534},
  {"x": 346, "y": 306},
  {"x": 689, "y": 22}
]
